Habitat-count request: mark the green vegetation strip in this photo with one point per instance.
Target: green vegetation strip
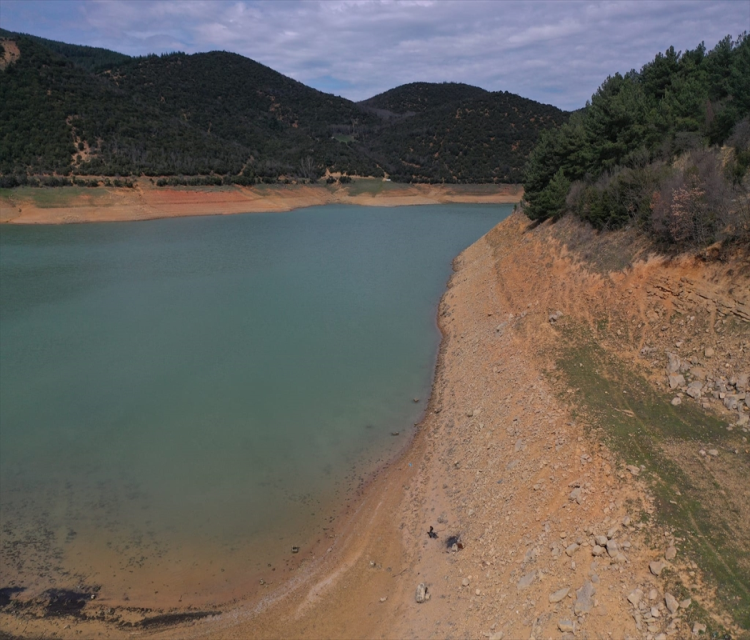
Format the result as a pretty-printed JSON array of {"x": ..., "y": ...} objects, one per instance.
[{"x": 695, "y": 508}]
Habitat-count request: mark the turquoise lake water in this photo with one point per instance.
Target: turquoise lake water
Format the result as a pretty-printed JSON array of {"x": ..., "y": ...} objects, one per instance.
[{"x": 207, "y": 382}]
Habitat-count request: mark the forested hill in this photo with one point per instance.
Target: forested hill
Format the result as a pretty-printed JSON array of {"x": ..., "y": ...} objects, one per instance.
[
  {"x": 487, "y": 138},
  {"x": 418, "y": 97},
  {"x": 69, "y": 109},
  {"x": 90, "y": 58},
  {"x": 665, "y": 148}
]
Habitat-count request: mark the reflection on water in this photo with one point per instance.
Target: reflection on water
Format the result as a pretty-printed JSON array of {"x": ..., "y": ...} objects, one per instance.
[{"x": 182, "y": 399}]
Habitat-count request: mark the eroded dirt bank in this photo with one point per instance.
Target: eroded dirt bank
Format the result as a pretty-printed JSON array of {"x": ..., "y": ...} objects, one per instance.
[
  {"x": 146, "y": 202},
  {"x": 587, "y": 501}
]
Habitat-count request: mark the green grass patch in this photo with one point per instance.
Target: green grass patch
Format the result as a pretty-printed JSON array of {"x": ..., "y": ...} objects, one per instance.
[
  {"x": 365, "y": 186},
  {"x": 344, "y": 138},
  {"x": 640, "y": 425},
  {"x": 372, "y": 186},
  {"x": 50, "y": 197}
]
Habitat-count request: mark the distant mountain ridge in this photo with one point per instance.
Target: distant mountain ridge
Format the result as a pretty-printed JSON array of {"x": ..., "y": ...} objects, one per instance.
[{"x": 89, "y": 111}]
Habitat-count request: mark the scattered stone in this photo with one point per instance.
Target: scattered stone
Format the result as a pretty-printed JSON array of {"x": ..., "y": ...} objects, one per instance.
[
  {"x": 634, "y": 470},
  {"x": 656, "y": 567},
  {"x": 695, "y": 389},
  {"x": 684, "y": 604},
  {"x": 713, "y": 452},
  {"x": 559, "y": 595},
  {"x": 612, "y": 548},
  {"x": 709, "y": 352},
  {"x": 383, "y": 599},
  {"x": 576, "y": 495},
  {"x": 497, "y": 636},
  {"x": 584, "y": 598},
  {"x": 601, "y": 541},
  {"x": 671, "y": 603},
  {"x": 526, "y": 581},
  {"x": 698, "y": 373},
  {"x": 635, "y": 597},
  {"x": 670, "y": 553},
  {"x": 421, "y": 593},
  {"x": 653, "y": 594},
  {"x": 673, "y": 363},
  {"x": 566, "y": 626},
  {"x": 626, "y": 521},
  {"x": 597, "y": 550},
  {"x": 661, "y": 636},
  {"x": 699, "y": 628},
  {"x": 655, "y": 613},
  {"x": 465, "y": 582},
  {"x": 676, "y": 401},
  {"x": 620, "y": 558},
  {"x": 676, "y": 380},
  {"x": 571, "y": 549}
]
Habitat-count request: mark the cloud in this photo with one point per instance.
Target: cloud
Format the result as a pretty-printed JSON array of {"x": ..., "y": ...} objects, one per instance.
[{"x": 557, "y": 52}]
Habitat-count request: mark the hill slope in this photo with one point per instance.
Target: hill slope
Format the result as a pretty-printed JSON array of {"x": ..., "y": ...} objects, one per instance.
[
  {"x": 483, "y": 139},
  {"x": 65, "y": 108},
  {"x": 90, "y": 58},
  {"x": 418, "y": 97}
]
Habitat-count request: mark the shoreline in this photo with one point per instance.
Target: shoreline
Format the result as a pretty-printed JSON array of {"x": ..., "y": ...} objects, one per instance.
[
  {"x": 508, "y": 458},
  {"x": 67, "y": 205}
]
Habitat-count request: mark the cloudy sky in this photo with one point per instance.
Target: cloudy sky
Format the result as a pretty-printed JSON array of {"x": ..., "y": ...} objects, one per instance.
[{"x": 556, "y": 52}]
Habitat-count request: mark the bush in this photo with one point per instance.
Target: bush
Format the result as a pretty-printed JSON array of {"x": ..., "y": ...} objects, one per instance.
[{"x": 693, "y": 207}]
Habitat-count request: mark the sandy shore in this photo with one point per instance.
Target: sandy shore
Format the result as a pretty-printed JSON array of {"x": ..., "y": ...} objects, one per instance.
[
  {"x": 509, "y": 460},
  {"x": 146, "y": 202}
]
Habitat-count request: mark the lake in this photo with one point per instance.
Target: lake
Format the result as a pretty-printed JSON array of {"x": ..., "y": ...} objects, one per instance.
[{"x": 183, "y": 400}]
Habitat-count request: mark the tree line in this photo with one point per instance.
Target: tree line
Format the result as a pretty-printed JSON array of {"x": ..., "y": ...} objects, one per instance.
[{"x": 664, "y": 148}]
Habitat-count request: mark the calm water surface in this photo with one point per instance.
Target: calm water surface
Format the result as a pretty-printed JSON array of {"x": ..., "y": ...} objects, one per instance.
[{"x": 186, "y": 388}]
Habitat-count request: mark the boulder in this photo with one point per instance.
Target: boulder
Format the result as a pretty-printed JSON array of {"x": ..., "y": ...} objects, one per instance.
[
  {"x": 695, "y": 389},
  {"x": 559, "y": 595},
  {"x": 656, "y": 567},
  {"x": 671, "y": 603},
  {"x": 585, "y": 598},
  {"x": 673, "y": 363},
  {"x": 676, "y": 380},
  {"x": 526, "y": 581}
]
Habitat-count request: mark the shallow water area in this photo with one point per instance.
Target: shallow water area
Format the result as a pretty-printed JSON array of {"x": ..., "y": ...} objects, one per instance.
[{"x": 184, "y": 400}]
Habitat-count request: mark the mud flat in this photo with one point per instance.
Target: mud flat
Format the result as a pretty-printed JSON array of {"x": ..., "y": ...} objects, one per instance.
[
  {"x": 146, "y": 202},
  {"x": 586, "y": 502}
]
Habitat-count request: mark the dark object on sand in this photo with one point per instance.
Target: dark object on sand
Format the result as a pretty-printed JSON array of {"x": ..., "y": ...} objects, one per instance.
[
  {"x": 62, "y": 602},
  {"x": 170, "y": 619},
  {"x": 295, "y": 549},
  {"x": 432, "y": 533},
  {"x": 454, "y": 540},
  {"x": 395, "y": 433},
  {"x": 7, "y": 593}
]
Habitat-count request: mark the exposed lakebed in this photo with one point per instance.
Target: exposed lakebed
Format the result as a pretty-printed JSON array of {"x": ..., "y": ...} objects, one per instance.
[{"x": 183, "y": 401}]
